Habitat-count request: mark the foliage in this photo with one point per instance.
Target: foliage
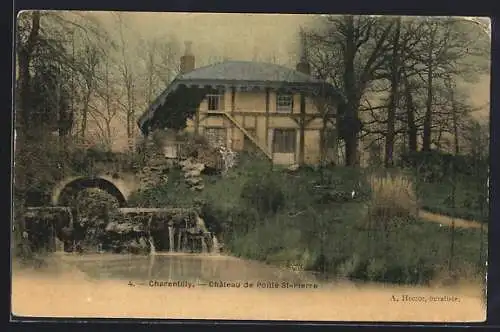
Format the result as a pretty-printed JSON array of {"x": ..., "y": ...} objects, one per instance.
[
  {"x": 42, "y": 166},
  {"x": 264, "y": 193},
  {"x": 438, "y": 174},
  {"x": 434, "y": 165},
  {"x": 96, "y": 207},
  {"x": 174, "y": 193}
]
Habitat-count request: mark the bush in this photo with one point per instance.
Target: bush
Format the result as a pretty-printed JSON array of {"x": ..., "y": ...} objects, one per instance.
[
  {"x": 393, "y": 198},
  {"x": 174, "y": 193},
  {"x": 279, "y": 218},
  {"x": 434, "y": 165},
  {"x": 265, "y": 193},
  {"x": 96, "y": 206}
]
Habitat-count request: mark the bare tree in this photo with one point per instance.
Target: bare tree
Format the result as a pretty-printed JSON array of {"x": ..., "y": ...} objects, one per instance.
[
  {"x": 26, "y": 41},
  {"x": 159, "y": 62},
  {"x": 91, "y": 57},
  {"x": 354, "y": 50},
  {"x": 395, "y": 75},
  {"x": 443, "y": 49},
  {"x": 106, "y": 110}
]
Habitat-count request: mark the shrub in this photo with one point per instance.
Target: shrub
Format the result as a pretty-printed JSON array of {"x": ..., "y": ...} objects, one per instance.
[
  {"x": 434, "y": 165},
  {"x": 96, "y": 206},
  {"x": 265, "y": 193},
  {"x": 393, "y": 197}
]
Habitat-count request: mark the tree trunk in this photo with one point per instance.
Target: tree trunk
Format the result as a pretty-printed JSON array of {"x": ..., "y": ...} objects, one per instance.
[
  {"x": 394, "y": 98},
  {"x": 351, "y": 149},
  {"x": 454, "y": 116},
  {"x": 352, "y": 93},
  {"x": 22, "y": 117},
  {"x": 412, "y": 130},
  {"x": 85, "y": 111},
  {"x": 427, "y": 132}
]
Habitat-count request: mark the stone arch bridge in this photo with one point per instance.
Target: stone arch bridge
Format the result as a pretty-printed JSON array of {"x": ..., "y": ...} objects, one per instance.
[{"x": 121, "y": 186}]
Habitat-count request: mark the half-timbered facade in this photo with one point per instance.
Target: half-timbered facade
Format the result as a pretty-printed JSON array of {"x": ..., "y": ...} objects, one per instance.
[{"x": 285, "y": 113}]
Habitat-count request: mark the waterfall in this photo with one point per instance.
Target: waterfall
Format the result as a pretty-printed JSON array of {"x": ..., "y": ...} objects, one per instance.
[
  {"x": 215, "y": 244},
  {"x": 152, "y": 249},
  {"x": 204, "y": 248},
  {"x": 171, "y": 238}
]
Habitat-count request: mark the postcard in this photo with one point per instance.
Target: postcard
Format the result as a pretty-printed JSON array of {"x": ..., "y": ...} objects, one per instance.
[{"x": 251, "y": 167}]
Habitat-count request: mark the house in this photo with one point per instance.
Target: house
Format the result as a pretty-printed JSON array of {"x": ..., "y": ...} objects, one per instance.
[{"x": 286, "y": 114}]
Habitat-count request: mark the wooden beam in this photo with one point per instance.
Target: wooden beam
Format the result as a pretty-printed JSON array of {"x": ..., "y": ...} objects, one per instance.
[
  {"x": 267, "y": 119},
  {"x": 233, "y": 107},
  {"x": 260, "y": 113},
  {"x": 233, "y": 99}
]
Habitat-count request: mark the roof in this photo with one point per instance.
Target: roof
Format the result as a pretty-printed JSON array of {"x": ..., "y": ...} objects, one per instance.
[
  {"x": 237, "y": 74},
  {"x": 248, "y": 71}
]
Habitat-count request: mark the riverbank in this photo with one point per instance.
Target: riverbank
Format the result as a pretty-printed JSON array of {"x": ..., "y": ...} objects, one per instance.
[{"x": 60, "y": 290}]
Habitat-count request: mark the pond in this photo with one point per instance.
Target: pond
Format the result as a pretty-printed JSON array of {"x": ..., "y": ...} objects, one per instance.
[
  {"x": 209, "y": 286},
  {"x": 202, "y": 269}
]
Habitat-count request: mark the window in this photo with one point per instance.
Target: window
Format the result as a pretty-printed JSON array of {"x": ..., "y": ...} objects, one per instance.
[
  {"x": 214, "y": 102},
  {"x": 284, "y": 103},
  {"x": 216, "y": 136},
  {"x": 284, "y": 140},
  {"x": 170, "y": 150}
]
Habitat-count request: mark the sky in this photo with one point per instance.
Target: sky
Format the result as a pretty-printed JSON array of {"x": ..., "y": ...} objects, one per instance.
[{"x": 235, "y": 36}]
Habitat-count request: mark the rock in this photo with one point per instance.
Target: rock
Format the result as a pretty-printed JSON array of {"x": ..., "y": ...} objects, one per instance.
[
  {"x": 194, "y": 181},
  {"x": 121, "y": 228},
  {"x": 157, "y": 162},
  {"x": 193, "y": 230},
  {"x": 198, "y": 187},
  {"x": 186, "y": 162},
  {"x": 143, "y": 243},
  {"x": 199, "y": 167},
  {"x": 192, "y": 174}
]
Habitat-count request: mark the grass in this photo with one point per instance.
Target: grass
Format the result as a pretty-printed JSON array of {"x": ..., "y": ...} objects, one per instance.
[
  {"x": 393, "y": 198},
  {"x": 315, "y": 223},
  {"x": 436, "y": 197}
]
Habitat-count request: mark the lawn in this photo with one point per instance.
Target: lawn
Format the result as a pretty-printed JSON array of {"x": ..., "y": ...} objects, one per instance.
[{"x": 310, "y": 219}]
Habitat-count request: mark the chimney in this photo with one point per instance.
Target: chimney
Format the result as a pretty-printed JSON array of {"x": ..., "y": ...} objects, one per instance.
[
  {"x": 303, "y": 66},
  {"x": 187, "y": 60}
]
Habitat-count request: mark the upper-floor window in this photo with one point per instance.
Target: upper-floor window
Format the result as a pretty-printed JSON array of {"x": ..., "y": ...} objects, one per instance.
[
  {"x": 284, "y": 103},
  {"x": 214, "y": 102}
]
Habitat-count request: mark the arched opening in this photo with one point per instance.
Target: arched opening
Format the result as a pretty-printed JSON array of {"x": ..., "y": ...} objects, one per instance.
[{"x": 70, "y": 190}]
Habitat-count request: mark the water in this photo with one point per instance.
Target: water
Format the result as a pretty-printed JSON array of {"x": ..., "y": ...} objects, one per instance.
[
  {"x": 215, "y": 245},
  {"x": 171, "y": 238},
  {"x": 107, "y": 285},
  {"x": 152, "y": 250},
  {"x": 204, "y": 247},
  {"x": 202, "y": 268}
]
